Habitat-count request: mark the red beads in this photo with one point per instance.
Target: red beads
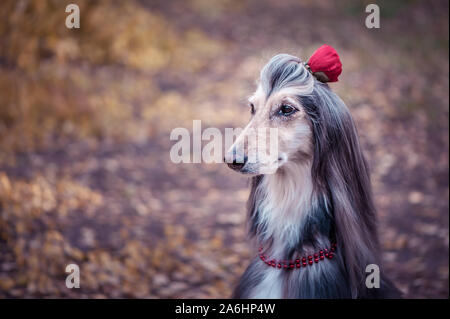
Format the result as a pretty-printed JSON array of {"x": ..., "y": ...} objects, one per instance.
[{"x": 299, "y": 262}]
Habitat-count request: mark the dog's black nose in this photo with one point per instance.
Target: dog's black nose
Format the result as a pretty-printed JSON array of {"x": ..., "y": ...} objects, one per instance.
[{"x": 238, "y": 163}]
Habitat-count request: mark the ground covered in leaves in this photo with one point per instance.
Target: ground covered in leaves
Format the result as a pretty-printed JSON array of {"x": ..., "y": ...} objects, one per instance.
[{"x": 85, "y": 119}]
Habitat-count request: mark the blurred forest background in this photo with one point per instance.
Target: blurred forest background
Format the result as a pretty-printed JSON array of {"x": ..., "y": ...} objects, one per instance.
[{"x": 85, "y": 118}]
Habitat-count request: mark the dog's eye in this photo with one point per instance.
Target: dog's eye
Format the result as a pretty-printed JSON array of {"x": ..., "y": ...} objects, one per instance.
[
  {"x": 286, "y": 110},
  {"x": 252, "y": 108}
]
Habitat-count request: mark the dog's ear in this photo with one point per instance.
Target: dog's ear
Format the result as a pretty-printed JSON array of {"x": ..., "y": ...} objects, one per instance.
[{"x": 339, "y": 165}]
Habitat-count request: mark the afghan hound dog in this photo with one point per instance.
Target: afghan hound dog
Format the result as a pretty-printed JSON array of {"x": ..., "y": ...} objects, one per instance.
[{"x": 311, "y": 215}]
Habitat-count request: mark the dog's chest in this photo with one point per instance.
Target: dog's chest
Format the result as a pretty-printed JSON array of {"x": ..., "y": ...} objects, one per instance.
[{"x": 270, "y": 287}]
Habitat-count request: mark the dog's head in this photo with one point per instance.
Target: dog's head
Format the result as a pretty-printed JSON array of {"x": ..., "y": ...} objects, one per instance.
[{"x": 280, "y": 128}]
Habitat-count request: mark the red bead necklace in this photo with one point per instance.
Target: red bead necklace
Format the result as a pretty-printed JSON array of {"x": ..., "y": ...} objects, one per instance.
[{"x": 299, "y": 262}]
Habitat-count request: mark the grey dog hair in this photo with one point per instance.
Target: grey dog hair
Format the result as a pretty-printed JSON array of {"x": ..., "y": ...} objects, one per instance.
[{"x": 341, "y": 207}]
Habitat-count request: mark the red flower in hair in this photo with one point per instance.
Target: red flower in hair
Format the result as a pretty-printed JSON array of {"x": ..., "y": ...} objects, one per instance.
[{"x": 325, "y": 60}]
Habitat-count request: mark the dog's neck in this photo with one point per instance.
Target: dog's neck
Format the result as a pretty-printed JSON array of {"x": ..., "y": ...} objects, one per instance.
[{"x": 283, "y": 203}]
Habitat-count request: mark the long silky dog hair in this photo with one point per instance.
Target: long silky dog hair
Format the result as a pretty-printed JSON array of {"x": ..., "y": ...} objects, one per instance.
[{"x": 339, "y": 208}]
